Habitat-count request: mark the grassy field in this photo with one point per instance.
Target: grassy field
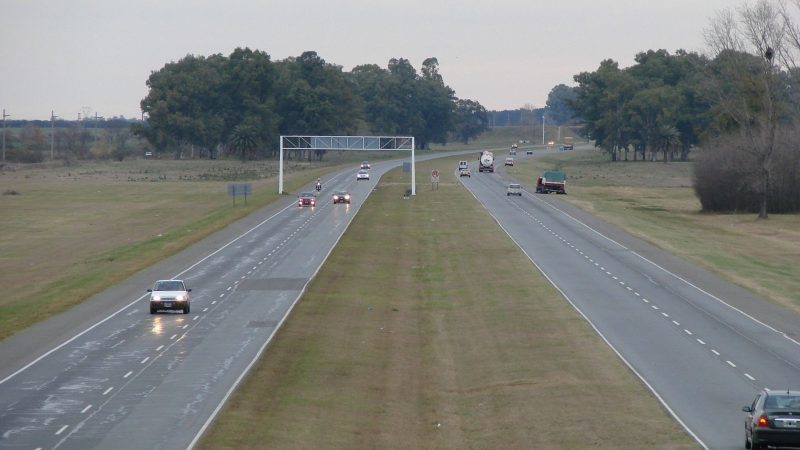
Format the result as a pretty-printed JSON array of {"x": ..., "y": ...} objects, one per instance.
[
  {"x": 418, "y": 334},
  {"x": 71, "y": 231},
  {"x": 655, "y": 201}
]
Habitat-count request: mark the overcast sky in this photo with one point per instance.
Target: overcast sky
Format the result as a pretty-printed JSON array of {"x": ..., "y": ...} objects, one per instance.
[{"x": 95, "y": 55}]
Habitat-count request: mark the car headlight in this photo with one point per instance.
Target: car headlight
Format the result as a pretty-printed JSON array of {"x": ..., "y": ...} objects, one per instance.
[
  {"x": 347, "y": 197},
  {"x": 156, "y": 298},
  {"x": 181, "y": 298}
]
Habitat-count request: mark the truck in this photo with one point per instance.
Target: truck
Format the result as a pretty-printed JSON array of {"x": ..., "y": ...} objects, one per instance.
[
  {"x": 566, "y": 143},
  {"x": 486, "y": 162},
  {"x": 552, "y": 181}
]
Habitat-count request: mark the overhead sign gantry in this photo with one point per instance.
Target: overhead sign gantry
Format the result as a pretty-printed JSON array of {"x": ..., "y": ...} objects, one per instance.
[{"x": 371, "y": 143}]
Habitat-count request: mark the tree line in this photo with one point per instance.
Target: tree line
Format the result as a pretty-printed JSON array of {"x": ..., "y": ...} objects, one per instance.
[
  {"x": 742, "y": 102},
  {"x": 241, "y": 103}
]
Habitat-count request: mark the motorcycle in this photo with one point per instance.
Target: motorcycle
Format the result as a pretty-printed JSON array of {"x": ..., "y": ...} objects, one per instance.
[{"x": 319, "y": 187}]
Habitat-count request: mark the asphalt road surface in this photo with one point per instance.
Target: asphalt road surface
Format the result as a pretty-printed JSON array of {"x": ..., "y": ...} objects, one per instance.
[
  {"x": 703, "y": 346},
  {"x": 108, "y": 374}
]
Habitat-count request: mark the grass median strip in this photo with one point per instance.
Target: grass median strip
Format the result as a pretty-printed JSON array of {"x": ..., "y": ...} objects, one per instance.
[{"x": 428, "y": 328}]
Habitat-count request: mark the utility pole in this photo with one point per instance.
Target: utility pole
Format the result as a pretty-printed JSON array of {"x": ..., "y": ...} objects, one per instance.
[
  {"x": 52, "y": 132},
  {"x": 542, "y": 129},
  {"x": 4, "y": 133}
]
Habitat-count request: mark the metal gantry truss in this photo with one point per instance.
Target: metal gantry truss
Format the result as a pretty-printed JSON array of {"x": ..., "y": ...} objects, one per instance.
[{"x": 362, "y": 143}]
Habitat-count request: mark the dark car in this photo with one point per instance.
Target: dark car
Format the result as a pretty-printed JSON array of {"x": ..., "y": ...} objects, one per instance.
[
  {"x": 773, "y": 419},
  {"x": 170, "y": 295},
  {"x": 307, "y": 199},
  {"x": 341, "y": 197}
]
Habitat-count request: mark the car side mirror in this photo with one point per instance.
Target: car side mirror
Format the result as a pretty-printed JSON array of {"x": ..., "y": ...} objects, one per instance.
[
  {"x": 188, "y": 290},
  {"x": 747, "y": 409},
  {"x": 149, "y": 290}
]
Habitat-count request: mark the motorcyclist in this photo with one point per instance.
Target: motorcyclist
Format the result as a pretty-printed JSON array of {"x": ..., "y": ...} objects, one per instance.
[{"x": 319, "y": 184}]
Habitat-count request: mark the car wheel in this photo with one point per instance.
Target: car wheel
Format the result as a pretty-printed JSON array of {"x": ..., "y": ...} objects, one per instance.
[
  {"x": 186, "y": 309},
  {"x": 152, "y": 310},
  {"x": 747, "y": 443}
]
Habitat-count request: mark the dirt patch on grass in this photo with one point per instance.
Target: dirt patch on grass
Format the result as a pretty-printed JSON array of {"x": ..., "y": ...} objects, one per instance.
[{"x": 417, "y": 334}]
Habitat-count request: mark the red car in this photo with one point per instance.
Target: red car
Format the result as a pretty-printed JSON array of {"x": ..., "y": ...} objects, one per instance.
[{"x": 307, "y": 199}]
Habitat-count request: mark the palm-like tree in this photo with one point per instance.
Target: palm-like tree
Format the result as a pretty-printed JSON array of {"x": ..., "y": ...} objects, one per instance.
[{"x": 243, "y": 141}]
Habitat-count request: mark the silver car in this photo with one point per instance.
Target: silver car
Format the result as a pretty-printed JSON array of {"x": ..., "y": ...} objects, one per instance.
[
  {"x": 514, "y": 189},
  {"x": 169, "y": 295}
]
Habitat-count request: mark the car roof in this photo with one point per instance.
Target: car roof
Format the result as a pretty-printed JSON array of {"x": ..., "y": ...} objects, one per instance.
[
  {"x": 341, "y": 192},
  {"x": 306, "y": 194},
  {"x": 513, "y": 185}
]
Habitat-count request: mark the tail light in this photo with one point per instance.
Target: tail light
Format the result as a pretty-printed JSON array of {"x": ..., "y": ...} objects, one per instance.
[{"x": 763, "y": 422}]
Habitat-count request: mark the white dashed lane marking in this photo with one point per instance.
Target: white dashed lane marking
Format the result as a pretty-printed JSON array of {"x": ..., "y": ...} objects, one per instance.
[{"x": 61, "y": 430}]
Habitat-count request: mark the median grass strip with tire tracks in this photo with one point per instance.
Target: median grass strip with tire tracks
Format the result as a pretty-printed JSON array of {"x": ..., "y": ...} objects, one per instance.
[{"x": 428, "y": 328}]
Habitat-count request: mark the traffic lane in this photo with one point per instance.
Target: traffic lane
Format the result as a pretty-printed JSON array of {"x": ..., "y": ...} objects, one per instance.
[
  {"x": 233, "y": 251},
  {"x": 603, "y": 297},
  {"x": 699, "y": 309},
  {"x": 103, "y": 375}
]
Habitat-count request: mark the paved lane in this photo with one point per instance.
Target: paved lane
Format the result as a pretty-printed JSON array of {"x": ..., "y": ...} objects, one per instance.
[
  {"x": 135, "y": 380},
  {"x": 701, "y": 354}
]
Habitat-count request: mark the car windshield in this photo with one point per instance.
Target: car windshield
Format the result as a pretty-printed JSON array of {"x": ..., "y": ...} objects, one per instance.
[
  {"x": 783, "y": 401},
  {"x": 170, "y": 285},
  {"x": 306, "y": 194},
  {"x": 341, "y": 193}
]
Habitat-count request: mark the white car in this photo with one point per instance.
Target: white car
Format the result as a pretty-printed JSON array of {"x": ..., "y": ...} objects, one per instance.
[
  {"x": 514, "y": 189},
  {"x": 362, "y": 175},
  {"x": 169, "y": 294}
]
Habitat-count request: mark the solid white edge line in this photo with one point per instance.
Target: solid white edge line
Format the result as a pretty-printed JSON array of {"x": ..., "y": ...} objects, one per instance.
[
  {"x": 675, "y": 275},
  {"x": 58, "y": 347},
  {"x": 269, "y": 339},
  {"x": 599, "y": 333}
]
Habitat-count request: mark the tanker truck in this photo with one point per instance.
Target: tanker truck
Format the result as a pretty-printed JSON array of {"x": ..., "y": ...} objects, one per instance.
[{"x": 486, "y": 162}]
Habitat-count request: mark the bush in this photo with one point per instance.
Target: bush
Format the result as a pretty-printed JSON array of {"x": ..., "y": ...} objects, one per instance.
[{"x": 727, "y": 177}]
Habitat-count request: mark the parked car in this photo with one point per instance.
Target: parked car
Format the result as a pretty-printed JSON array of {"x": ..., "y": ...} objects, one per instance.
[
  {"x": 169, "y": 295},
  {"x": 307, "y": 199},
  {"x": 464, "y": 173},
  {"x": 773, "y": 419},
  {"x": 509, "y": 162},
  {"x": 514, "y": 189},
  {"x": 341, "y": 197},
  {"x": 362, "y": 175}
]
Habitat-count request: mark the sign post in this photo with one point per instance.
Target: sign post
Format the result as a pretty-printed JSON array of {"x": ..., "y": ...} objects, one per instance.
[{"x": 434, "y": 179}]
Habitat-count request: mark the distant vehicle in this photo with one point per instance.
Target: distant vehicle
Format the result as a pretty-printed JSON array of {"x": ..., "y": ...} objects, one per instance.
[
  {"x": 514, "y": 189},
  {"x": 464, "y": 173},
  {"x": 169, "y": 295},
  {"x": 362, "y": 175},
  {"x": 550, "y": 143},
  {"x": 148, "y": 155},
  {"x": 486, "y": 162},
  {"x": 514, "y": 145},
  {"x": 307, "y": 199},
  {"x": 566, "y": 144},
  {"x": 341, "y": 197},
  {"x": 513, "y": 152},
  {"x": 509, "y": 162},
  {"x": 365, "y": 165},
  {"x": 318, "y": 186},
  {"x": 529, "y": 152},
  {"x": 463, "y": 165},
  {"x": 552, "y": 181},
  {"x": 773, "y": 419}
]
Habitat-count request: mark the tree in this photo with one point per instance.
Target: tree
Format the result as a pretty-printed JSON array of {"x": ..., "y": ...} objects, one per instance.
[
  {"x": 471, "y": 120},
  {"x": 747, "y": 88},
  {"x": 243, "y": 141},
  {"x": 560, "y": 102}
]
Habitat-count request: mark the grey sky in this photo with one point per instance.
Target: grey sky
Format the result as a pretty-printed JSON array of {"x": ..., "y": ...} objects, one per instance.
[{"x": 68, "y": 55}]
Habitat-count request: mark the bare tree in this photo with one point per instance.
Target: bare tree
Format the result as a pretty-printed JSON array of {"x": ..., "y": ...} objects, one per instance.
[{"x": 752, "y": 51}]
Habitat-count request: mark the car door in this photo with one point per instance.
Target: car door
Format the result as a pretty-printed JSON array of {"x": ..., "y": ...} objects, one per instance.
[{"x": 748, "y": 421}]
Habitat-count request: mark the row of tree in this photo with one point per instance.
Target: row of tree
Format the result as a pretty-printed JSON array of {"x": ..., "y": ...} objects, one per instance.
[
  {"x": 742, "y": 102},
  {"x": 241, "y": 103}
]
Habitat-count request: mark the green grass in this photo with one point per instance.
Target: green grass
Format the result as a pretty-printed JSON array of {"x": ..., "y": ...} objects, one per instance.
[{"x": 437, "y": 340}]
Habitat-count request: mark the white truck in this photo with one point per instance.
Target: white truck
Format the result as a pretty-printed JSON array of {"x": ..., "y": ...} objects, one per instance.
[{"x": 486, "y": 162}]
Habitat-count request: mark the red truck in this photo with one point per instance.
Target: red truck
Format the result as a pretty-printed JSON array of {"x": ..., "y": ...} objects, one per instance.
[{"x": 552, "y": 181}]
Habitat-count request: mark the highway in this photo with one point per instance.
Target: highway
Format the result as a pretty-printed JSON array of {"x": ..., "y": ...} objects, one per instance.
[
  {"x": 108, "y": 374},
  {"x": 703, "y": 346}
]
